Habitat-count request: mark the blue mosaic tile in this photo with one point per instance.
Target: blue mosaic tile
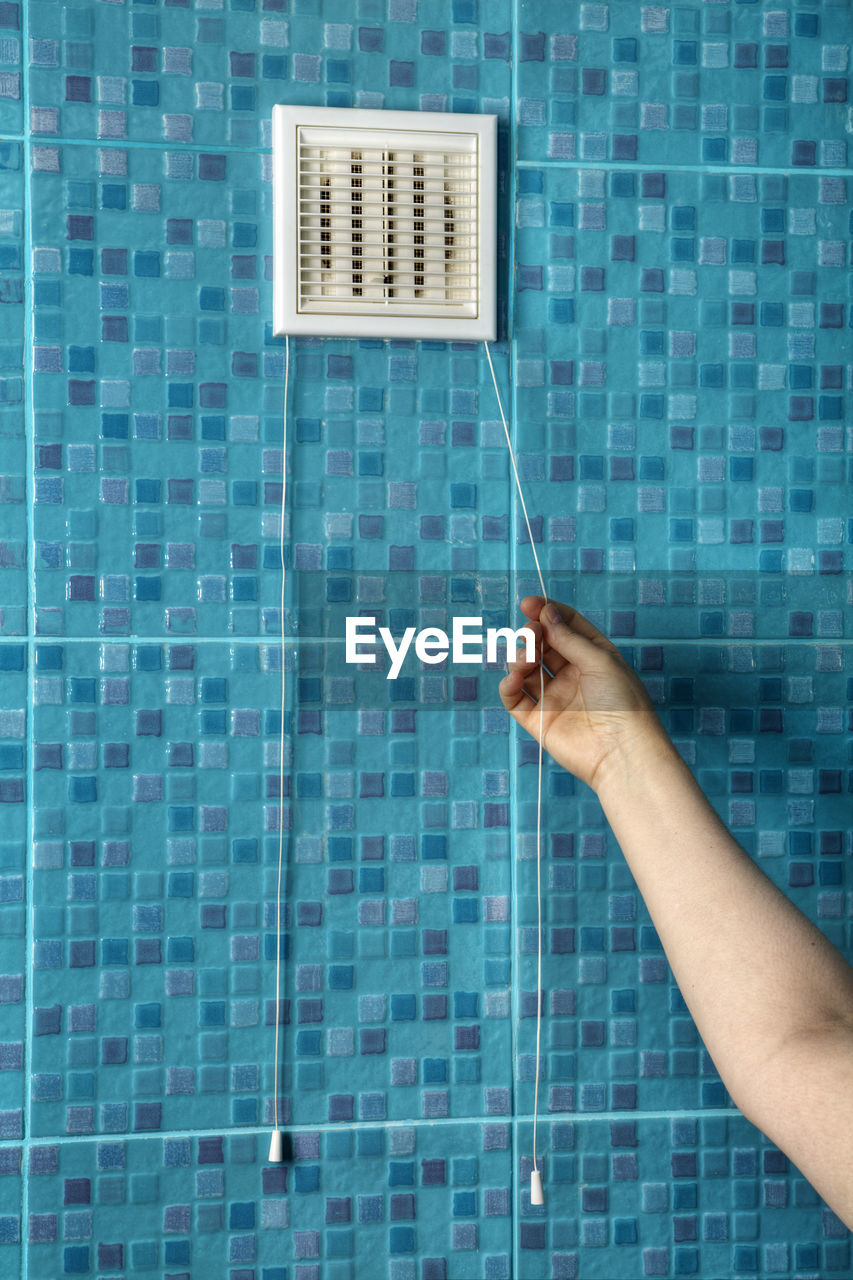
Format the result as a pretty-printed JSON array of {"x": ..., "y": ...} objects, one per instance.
[
  {"x": 176, "y": 76},
  {"x": 13, "y": 484},
  {"x": 124, "y": 738},
  {"x": 629, "y": 605},
  {"x": 676, "y": 373},
  {"x": 683, "y": 364},
  {"x": 13, "y": 896},
  {"x": 11, "y": 87},
  {"x": 428, "y": 1201},
  {"x": 413, "y": 428},
  {"x": 139, "y": 388},
  {"x": 709, "y": 85},
  {"x": 686, "y": 1196},
  {"x": 10, "y": 1207},
  {"x": 149, "y": 921},
  {"x": 151, "y": 417}
]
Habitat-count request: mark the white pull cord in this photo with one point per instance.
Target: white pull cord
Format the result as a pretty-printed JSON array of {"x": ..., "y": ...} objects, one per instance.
[
  {"x": 276, "y": 1141},
  {"x": 536, "y": 1194}
]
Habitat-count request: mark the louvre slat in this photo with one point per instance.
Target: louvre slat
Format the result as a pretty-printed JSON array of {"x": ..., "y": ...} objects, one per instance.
[
  {"x": 402, "y": 303},
  {"x": 387, "y": 226},
  {"x": 387, "y": 277},
  {"x": 438, "y": 223},
  {"x": 377, "y": 265},
  {"x": 312, "y": 247},
  {"x": 351, "y": 160},
  {"x": 347, "y": 198}
]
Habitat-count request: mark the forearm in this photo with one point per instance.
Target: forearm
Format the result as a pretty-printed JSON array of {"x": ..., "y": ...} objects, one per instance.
[{"x": 755, "y": 972}]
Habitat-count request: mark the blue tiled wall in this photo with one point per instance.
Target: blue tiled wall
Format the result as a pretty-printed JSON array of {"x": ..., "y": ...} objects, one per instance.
[{"x": 674, "y": 349}]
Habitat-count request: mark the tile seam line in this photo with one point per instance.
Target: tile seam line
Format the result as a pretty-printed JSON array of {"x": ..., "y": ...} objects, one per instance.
[
  {"x": 515, "y": 1186},
  {"x": 29, "y": 439},
  {"x": 229, "y": 1131},
  {"x": 140, "y": 144},
  {"x": 727, "y": 642},
  {"x": 640, "y": 167},
  {"x": 623, "y": 165}
]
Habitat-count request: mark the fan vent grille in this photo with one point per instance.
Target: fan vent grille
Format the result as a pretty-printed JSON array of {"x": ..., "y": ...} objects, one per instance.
[
  {"x": 384, "y": 223},
  {"x": 393, "y": 225}
]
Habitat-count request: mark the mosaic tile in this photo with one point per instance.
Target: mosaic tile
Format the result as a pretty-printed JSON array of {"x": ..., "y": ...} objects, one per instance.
[
  {"x": 148, "y": 891},
  {"x": 731, "y": 605},
  {"x": 696, "y": 84},
  {"x": 151, "y": 414},
  {"x": 414, "y": 430},
  {"x": 13, "y": 467},
  {"x": 683, "y": 363},
  {"x": 13, "y": 896},
  {"x": 212, "y": 77},
  {"x": 155, "y": 885},
  {"x": 11, "y": 87},
  {"x": 10, "y": 1208},
  {"x": 425, "y": 1201},
  {"x": 692, "y": 1195},
  {"x": 137, "y": 390},
  {"x": 674, "y": 366}
]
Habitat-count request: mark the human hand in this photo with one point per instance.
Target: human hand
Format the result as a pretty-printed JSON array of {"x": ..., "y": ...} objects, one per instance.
[{"x": 596, "y": 713}]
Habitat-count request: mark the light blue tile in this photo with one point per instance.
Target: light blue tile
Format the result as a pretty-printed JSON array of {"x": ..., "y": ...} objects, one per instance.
[
  {"x": 154, "y": 409},
  {"x": 10, "y": 1207},
  {"x": 14, "y": 968},
  {"x": 739, "y": 85},
  {"x": 429, "y": 1199},
  {"x": 691, "y": 1195},
  {"x": 683, "y": 339},
  {"x": 13, "y": 482},
  {"x": 211, "y": 78},
  {"x": 149, "y": 894},
  {"x": 11, "y": 80},
  {"x": 153, "y": 880},
  {"x": 672, "y": 282}
]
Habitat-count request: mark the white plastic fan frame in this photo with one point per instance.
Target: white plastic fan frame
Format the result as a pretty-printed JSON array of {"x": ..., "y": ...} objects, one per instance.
[{"x": 416, "y": 257}]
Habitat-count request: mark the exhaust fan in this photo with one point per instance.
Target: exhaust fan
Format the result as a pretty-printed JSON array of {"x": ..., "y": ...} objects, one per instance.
[{"x": 384, "y": 223}]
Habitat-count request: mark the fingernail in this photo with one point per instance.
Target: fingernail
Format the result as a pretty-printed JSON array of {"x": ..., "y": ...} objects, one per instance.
[{"x": 550, "y": 614}]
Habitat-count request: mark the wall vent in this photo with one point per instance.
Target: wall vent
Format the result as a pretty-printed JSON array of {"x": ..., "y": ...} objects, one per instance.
[{"x": 384, "y": 223}]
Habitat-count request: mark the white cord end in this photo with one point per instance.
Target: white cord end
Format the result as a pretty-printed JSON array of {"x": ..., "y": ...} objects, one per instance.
[
  {"x": 536, "y": 1193},
  {"x": 276, "y": 1156}
]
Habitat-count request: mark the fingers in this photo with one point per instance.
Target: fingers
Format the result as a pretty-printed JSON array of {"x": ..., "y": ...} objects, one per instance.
[
  {"x": 535, "y": 678},
  {"x": 571, "y": 640},
  {"x": 551, "y": 659},
  {"x": 533, "y": 605},
  {"x": 519, "y": 702},
  {"x": 564, "y": 643}
]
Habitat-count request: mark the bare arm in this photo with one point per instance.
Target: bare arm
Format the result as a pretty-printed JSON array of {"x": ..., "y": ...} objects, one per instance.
[{"x": 771, "y": 997}]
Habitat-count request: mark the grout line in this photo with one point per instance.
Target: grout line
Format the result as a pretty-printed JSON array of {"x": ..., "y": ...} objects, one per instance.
[
  {"x": 29, "y": 874},
  {"x": 638, "y": 167},
  {"x": 230, "y": 1131},
  {"x": 726, "y": 642},
  {"x": 512, "y": 738},
  {"x": 126, "y": 144}
]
